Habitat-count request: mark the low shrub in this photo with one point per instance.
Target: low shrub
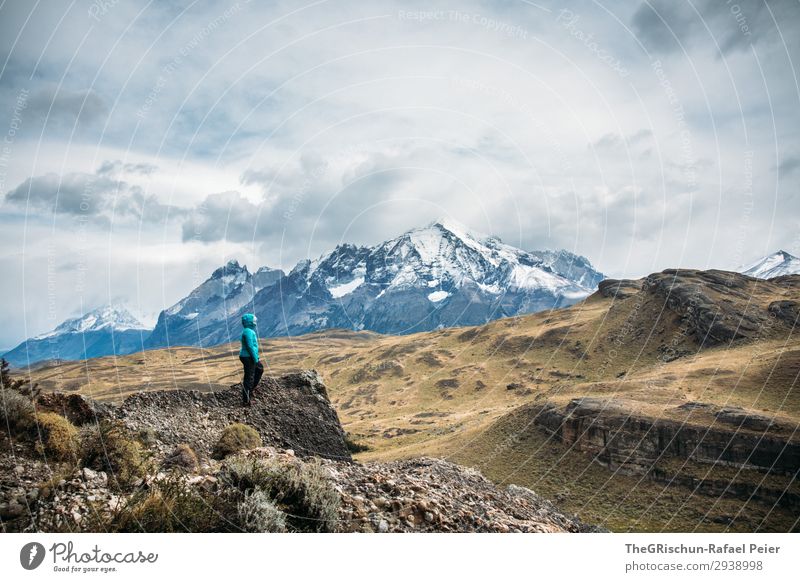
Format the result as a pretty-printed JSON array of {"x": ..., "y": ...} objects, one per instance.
[
  {"x": 56, "y": 437},
  {"x": 247, "y": 474},
  {"x": 234, "y": 438},
  {"x": 16, "y": 412},
  {"x": 302, "y": 490},
  {"x": 147, "y": 437},
  {"x": 109, "y": 447},
  {"x": 182, "y": 457},
  {"x": 258, "y": 513},
  {"x": 169, "y": 506}
]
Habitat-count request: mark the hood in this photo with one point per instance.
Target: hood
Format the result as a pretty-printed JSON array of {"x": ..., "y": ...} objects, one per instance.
[{"x": 249, "y": 320}]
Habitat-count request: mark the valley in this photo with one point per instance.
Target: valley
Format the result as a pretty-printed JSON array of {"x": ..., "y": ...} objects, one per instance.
[{"x": 663, "y": 404}]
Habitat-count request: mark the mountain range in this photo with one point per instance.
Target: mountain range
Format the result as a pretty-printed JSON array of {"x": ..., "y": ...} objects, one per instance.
[
  {"x": 437, "y": 276},
  {"x": 110, "y": 329},
  {"x": 441, "y": 275}
]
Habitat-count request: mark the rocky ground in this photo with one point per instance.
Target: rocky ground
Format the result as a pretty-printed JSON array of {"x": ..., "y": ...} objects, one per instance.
[
  {"x": 290, "y": 412},
  {"x": 425, "y": 494},
  {"x": 434, "y": 495}
]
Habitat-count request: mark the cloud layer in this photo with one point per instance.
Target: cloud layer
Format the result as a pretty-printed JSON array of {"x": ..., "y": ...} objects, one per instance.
[{"x": 145, "y": 143}]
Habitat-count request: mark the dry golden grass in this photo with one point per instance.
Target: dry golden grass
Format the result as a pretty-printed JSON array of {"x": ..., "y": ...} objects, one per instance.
[
  {"x": 438, "y": 393},
  {"x": 397, "y": 393}
]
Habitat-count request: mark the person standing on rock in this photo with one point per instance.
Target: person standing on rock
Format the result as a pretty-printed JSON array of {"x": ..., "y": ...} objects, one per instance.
[{"x": 248, "y": 355}]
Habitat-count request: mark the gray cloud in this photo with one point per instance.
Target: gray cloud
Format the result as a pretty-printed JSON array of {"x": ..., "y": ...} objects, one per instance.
[
  {"x": 67, "y": 108},
  {"x": 116, "y": 167},
  {"x": 789, "y": 164},
  {"x": 74, "y": 193},
  {"x": 665, "y": 26},
  {"x": 221, "y": 216},
  {"x": 616, "y": 140},
  {"x": 98, "y": 196}
]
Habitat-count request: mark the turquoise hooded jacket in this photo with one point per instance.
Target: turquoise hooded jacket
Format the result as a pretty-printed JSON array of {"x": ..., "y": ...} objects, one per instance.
[{"x": 249, "y": 337}]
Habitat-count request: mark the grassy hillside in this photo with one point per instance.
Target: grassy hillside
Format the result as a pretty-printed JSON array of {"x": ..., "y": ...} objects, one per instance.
[{"x": 452, "y": 393}]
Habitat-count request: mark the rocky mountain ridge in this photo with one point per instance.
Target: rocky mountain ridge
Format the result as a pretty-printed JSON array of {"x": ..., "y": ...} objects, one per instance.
[{"x": 441, "y": 275}]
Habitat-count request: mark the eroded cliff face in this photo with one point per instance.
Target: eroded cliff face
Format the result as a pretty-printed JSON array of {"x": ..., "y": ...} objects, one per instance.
[
  {"x": 662, "y": 448},
  {"x": 624, "y": 441}
]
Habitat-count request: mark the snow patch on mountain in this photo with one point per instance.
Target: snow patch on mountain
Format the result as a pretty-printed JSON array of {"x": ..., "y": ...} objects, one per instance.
[
  {"x": 777, "y": 264},
  {"x": 115, "y": 317},
  {"x": 437, "y": 296},
  {"x": 339, "y": 291},
  {"x": 447, "y": 253}
]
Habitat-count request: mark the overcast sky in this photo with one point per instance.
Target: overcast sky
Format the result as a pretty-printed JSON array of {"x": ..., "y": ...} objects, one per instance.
[{"x": 144, "y": 144}]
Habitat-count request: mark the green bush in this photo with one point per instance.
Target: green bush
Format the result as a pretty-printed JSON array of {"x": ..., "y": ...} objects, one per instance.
[
  {"x": 16, "y": 411},
  {"x": 182, "y": 457},
  {"x": 258, "y": 513},
  {"x": 56, "y": 437},
  {"x": 302, "y": 490},
  {"x": 109, "y": 447},
  {"x": 247, "y": 474},
  {"x": 236, "y": 437}
]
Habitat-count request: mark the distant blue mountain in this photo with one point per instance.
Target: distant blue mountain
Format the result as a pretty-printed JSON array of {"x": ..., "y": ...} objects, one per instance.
[{"x": 108, "y": 330}]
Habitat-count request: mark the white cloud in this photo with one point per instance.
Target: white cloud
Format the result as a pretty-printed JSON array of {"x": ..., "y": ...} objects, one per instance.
[{"x": 306, "y": 126}]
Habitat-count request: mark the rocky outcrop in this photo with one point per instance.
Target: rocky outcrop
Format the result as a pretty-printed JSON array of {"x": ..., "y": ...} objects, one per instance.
[
  {"x": 631, "y": 443},
  {"x": 787, "y": 311},
  {"x": 727, "y": 452},
  {"x": 619, "y": 288},
  {"x": 713, "y": 304},
  {"x": 74, "y": 407},
  {"x": 291, "y": 412}
]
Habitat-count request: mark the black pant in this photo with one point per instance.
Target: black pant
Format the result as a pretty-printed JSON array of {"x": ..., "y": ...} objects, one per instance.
[{"x": 252, "y": 376}]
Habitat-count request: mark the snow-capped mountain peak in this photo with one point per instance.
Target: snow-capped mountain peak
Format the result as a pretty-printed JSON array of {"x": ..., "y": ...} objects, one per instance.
[
  {"x": 775, "y": 265},
  {"x": 115, "y": 317},
  {"x": 228, "y": 289},
  {"x": 442, "y": 256},
  {"x": 456, "y": 228},
  {"x": 231, "y": 272},
  {"x": 439, "y": 275},
  {"x": 223, "y": 283}
]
